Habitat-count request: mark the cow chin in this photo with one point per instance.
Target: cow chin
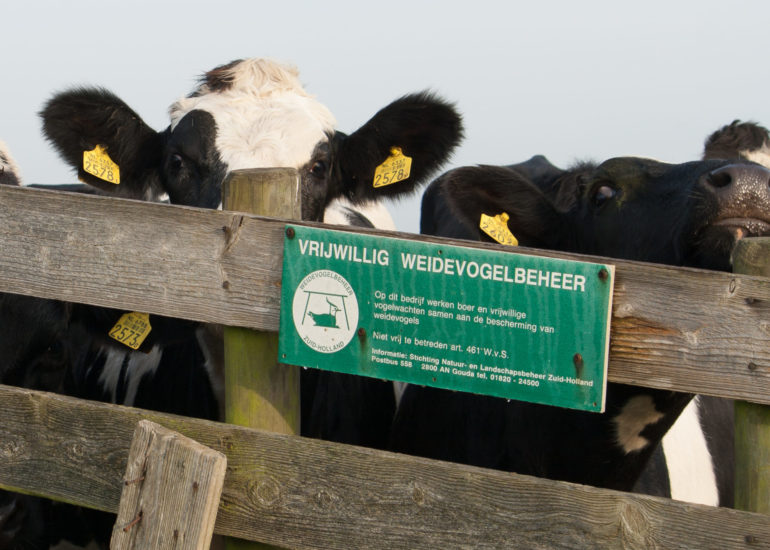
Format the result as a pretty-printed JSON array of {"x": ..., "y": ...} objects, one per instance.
[{"x": 714, "y": 246}]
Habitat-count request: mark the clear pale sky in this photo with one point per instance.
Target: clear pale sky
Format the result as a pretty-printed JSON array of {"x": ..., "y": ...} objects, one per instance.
[{"x": 571, "y": 80}]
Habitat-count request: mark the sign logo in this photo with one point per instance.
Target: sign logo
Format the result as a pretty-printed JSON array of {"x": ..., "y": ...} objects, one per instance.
[{"x": 325, "y": 311}]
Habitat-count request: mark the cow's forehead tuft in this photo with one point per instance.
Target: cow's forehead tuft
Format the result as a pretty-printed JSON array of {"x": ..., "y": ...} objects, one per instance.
[
  {"x": 261, "y": 74},
  {"x": 251, "y": 79},
  {"x": 264, "y": 117}
]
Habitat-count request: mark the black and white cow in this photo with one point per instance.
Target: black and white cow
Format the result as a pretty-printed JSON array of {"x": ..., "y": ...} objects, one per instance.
[
  {"x": 689, "y": 214},
  {"x": 246, "y": 114},
  {"x": 254, "y": 113}
]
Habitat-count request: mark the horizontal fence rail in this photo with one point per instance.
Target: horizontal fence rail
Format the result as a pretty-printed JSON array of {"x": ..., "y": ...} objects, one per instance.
[
  {"x": 672, "y": 328},
  {"x": 305, "y": 493}
]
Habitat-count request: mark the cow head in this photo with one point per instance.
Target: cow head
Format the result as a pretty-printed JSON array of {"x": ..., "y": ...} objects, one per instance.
[
  {"x": 246, "y": 114},
  {"x": 635, "y": 208}
]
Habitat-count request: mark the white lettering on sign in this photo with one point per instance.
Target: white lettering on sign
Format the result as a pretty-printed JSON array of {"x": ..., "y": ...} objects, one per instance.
[
  {"x": 493, "y": 272},
  {"x": 345, "y": 252}
]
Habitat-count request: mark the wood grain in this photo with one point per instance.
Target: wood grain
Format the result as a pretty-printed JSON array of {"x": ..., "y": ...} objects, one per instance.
[
  {"x": 672, "y": 328},
  {"x": 260, "y": 392},
  {"x": 301, "y": 493},
  {"x": 171, "y": 492}
]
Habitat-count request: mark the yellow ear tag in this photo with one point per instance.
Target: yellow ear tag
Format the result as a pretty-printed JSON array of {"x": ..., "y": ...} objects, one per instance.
[
  {"x": 497, "y": 228},
  {"x": 98, "y": 163},
  {"x": 131, "y": 329},
  {"x": 396, "y": 168}
]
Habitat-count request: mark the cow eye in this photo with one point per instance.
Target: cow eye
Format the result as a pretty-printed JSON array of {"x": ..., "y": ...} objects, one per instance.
[
  {"x": 56, "y": 349},
  {"x": 318, "y": 169},
  {"x": 175, "y": 163},
  {"x": 602, "y": 194}
]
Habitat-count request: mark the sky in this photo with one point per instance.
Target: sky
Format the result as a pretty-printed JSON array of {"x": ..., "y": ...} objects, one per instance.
[{"x": 574, "y": 81}]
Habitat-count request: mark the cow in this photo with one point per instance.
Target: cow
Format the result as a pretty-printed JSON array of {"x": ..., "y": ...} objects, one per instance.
[
  {"x": 251, "y": 113},
  {"x": 254, "y": 113},
  {"x": 704, "y": 452},
  {"x": 688, "y": 214},
  {"x": 697, "y": 462}
]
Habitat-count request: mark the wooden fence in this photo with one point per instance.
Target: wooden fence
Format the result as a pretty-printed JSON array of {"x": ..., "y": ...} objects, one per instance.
[{"x": 672, "y": 328}]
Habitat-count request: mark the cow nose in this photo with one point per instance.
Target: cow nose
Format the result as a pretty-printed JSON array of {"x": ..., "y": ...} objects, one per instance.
[{"x": 739, "y": 175}]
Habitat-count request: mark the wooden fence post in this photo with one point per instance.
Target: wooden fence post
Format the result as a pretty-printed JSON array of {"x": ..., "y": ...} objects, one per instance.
[
  {"x": 260, "y": 393},
  {"x": 752, "y": 421},
  {"x": 170, "y": 494}
]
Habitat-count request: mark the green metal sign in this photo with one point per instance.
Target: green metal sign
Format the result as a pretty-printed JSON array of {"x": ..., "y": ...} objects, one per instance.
[{"x": 494, "y": 323}]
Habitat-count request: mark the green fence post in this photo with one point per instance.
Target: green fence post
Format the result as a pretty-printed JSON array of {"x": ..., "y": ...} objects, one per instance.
[
  {"x": 752, "y": 421},
  {"x": 260, "y": 393}
]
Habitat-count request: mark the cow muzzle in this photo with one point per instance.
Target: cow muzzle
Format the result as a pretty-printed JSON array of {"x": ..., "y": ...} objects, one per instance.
[{"x": 742, "y": 193}]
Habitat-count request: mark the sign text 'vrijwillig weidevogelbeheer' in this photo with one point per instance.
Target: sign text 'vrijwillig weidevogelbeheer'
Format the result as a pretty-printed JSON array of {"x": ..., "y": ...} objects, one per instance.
[{"x": 469, "y": 319}]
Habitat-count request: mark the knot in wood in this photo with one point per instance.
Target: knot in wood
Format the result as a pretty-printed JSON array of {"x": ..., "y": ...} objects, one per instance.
[
  {"x": 75, "y": 450},
  {"x": 634, "y": 528},
  {"x": 265, "y": 492},
  {"x": 323, "y": 499},
  {"x": 12, "y": 448}
]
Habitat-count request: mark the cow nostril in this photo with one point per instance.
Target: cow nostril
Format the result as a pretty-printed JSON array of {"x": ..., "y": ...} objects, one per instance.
[
  {"x": 720, "y": 178},
  {"x": 744, "y": 175}
]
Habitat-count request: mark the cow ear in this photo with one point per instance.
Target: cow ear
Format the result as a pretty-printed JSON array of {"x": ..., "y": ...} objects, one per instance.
[
  {"x": 108, "y": 144},
  {"x": 399, "y": 147},
  {"x": 471, "y": 192}
]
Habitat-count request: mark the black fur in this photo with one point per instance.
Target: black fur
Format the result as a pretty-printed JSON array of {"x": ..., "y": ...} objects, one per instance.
[
  {"x": 82, "y": 118},
  {"x": 218, "y": 79},
  {"x": 425, "y": 127},
  {"x": 626, "y": 208}
]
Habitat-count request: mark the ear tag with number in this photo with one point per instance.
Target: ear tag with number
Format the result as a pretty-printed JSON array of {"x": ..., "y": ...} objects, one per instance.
[
  {"x": 396, "y": 168},
  {"x": 98, "y": 163},
  {"x": 131, "y": 329},
  {"x": 497, "y": 228}
]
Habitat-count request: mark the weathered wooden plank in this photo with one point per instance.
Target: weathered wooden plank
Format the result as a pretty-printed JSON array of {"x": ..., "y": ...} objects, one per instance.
[
  {"x": 752, "y": 421},
  {"x": 171, "y": 492},
  {"x": 683, "y": 329},
  {"x": 303, "y": 493}
]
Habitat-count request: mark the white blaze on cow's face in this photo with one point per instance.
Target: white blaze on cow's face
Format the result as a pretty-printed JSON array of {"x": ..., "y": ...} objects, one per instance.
[
  {"x": 262, "y": 116},
  {"x": 760, "y": 156}
]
